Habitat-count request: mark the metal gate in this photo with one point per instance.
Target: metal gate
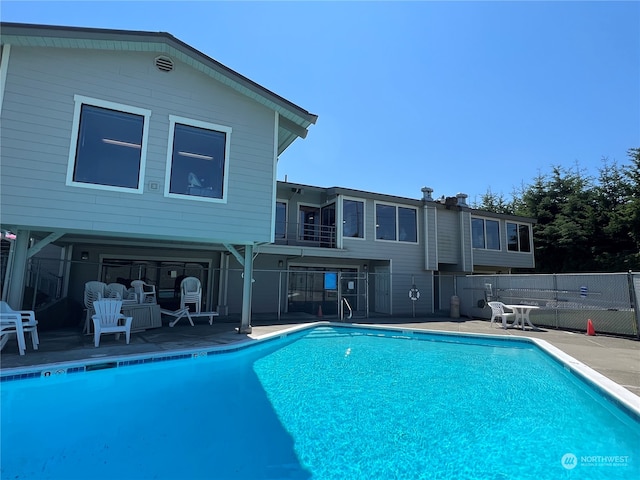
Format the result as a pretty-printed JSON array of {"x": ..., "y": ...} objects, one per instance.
[{"x": 353, "y": 291}]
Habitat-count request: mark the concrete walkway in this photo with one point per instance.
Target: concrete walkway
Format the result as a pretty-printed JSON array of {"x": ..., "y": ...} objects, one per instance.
[{"x": 616, "y": 358}]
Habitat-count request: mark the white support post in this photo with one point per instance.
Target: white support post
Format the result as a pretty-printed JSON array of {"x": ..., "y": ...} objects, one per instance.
[
  {"x": 18, "y": 269},
  {"x": 245, "y": 325},
  {"x": 223, "y": 306}
]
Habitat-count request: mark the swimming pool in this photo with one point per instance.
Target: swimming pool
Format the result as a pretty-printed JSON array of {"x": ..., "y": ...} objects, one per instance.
[{"x": 323, "y": 403}]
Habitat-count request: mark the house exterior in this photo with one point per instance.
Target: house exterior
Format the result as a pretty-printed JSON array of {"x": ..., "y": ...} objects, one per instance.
[
  {"x": 135, "y": 140},
  {"x": 130, "y": 155},
  {"x": 386, "y": 250}
]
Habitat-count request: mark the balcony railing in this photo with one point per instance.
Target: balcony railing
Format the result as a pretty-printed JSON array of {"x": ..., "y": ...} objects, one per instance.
[{"x": 305, "y": 234}]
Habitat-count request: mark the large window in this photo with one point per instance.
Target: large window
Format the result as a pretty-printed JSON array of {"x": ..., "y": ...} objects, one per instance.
[
  {"x": 385, "y": 222},
  {"x": 108, "y": 145},
  {"x": 396, "y": 223},
  {"x": 407, "y": 225},
  {"x": 518, "y": 237},
  {"x": 281, "y": 220},
  {"x": 352, "y": 219},
  {"x": 197, "y": 163},
  {"x": 485, "y": 233}
]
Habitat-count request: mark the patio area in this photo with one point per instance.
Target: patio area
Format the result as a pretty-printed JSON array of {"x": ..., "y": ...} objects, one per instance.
[{"x": 614, "y": 357}]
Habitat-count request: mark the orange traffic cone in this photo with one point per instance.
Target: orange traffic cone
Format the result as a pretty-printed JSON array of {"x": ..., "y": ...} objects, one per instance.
[
  {"x": 319, "y": 311},
  {"x": 590, "y": 329}
]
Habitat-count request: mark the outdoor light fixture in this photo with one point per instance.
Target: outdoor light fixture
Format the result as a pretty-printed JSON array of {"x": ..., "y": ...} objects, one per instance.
[
  {"x": 84, "y": 256},
  {"x": 280, "y": 263}
]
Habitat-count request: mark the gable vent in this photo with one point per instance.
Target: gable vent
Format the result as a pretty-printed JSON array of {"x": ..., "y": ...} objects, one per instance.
[{"x": 164, "y": 64}]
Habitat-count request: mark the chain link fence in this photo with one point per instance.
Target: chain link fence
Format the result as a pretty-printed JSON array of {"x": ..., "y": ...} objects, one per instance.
[{"x": 565, "y": 301}]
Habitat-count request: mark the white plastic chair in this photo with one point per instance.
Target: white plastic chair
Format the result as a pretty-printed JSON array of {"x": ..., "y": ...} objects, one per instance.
[
  {"x": 120, "y": 292},
  {"x": 93, "y": 291},
  {"x": 497, "y": 311},
  {"x": 18, "y": 322},
  {"x": 190, "y": 293},
  {"x": 109, "y": 319},
  {"x": 146, "y": 292}
]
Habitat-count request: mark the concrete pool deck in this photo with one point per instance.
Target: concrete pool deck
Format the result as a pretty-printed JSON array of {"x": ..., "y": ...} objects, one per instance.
[{"x": 614, "y": 357}]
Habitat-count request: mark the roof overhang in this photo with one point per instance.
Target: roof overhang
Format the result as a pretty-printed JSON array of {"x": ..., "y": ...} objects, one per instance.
[{"x": 293, "y": 120}]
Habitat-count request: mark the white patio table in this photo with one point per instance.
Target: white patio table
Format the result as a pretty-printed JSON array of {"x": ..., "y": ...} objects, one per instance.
[{"x": 522, "y": 315}]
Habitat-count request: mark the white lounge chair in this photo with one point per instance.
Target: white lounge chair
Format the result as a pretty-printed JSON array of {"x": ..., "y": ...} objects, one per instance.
[
  {"x": 18, "y": 322},
  {"x": 6, "y": 330},
  {"x": 185, "y": 313},
  {"x": 109, "y": 319},
  {"x": 497, "y": 311},
  {"x": 145, "y": 291},
  {"x": 191, "y": 293}
]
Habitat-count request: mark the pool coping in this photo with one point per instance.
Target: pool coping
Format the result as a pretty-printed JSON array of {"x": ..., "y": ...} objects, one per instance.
[{"x": 614, "y": 392}]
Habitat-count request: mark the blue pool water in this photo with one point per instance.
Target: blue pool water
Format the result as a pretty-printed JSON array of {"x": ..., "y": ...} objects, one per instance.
[{"x": 329, "y": 403}]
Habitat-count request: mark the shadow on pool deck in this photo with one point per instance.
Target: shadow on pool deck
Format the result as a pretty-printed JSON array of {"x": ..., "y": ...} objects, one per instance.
[{"x": 614, "y": 357}]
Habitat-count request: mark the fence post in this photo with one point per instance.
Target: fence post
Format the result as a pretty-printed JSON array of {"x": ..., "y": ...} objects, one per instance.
[
  {"x": 633, "y": 296},
  {"x": 555, "y": 294}
]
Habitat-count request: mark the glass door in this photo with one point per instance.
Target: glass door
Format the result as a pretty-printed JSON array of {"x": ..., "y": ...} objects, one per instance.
[{"x": 309, "y": 222}]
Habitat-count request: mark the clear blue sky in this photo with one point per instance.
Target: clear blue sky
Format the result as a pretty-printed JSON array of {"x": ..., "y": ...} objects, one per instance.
[{"x": 458, "y": 96}]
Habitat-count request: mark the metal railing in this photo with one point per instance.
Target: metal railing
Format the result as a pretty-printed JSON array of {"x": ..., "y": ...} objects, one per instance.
[
  {"x": 345, "y": 302},
  {"x": 308, "y": 234}
]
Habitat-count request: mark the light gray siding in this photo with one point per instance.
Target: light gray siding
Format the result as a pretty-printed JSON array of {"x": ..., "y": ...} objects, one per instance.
[
  {"x": 406, "y": 261},
  {"x": 504, "y": 258},
  {"x": 430, "y": 237},
  {"x": 37, "y": 120},
  {"x": 448, "y": 236}
]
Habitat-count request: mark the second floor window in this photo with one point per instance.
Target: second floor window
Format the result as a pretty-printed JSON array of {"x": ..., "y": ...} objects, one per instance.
[
  {"x": 110, "y": 145},
  {"x": 485, "y": 233},
  {"x": 407, "y": 225},
  {"x": 198, "y": 162},
  {"x": 518, "y": 237},
  {"x": 396, "y": 223},
  {"x": 385, "y": 222},
  {"x": 352, "y": 219},
  {"x": 281, "y": 220}
]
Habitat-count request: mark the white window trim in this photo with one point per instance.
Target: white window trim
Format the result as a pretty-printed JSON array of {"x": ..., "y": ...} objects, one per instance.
[
  {"x": 519, "y": 251},
  {"x": 484, "y": 233},
  {"x": 75, "y": 131},
  {"x": 364, "y": 219},
  {"x": 173, "y": 119},
  {"x": 397, "y": 240}
]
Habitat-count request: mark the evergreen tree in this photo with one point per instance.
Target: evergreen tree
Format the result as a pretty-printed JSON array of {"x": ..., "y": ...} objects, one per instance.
[
  {"x": 631, "y": 208},
  {"x": 581, "y": 225},
  {"x": 612, "y": 242}
]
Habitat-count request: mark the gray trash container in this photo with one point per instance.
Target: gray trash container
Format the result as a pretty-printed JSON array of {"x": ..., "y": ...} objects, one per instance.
[{"x": 455, "y": 307}]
